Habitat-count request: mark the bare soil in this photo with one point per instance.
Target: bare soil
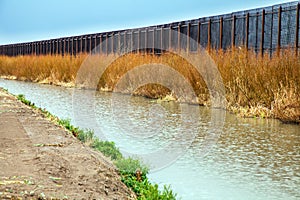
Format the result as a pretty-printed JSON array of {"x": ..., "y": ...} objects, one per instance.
[{"x": 41, "y": 160}]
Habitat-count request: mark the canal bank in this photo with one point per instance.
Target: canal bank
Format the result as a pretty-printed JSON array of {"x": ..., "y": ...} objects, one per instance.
[{"x": 41, "y": 159}]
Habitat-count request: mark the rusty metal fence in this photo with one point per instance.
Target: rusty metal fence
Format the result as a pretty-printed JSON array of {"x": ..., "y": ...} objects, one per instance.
[{"x": 265, "y": 29}]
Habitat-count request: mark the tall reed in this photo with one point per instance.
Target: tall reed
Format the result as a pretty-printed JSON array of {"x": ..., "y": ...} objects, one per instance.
[
  {"x": 260, "y": 86},
  {"x": 52, "y": 69}
]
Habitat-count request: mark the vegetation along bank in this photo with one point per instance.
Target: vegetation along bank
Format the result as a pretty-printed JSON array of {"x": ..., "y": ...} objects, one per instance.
[{"x": 256, "y": 86}]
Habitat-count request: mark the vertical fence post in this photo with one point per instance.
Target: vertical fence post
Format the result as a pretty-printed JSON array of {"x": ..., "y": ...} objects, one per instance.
[
  {"x": 233, "y": 31},
  {"x": 209, "y": 35},
  {"x": 54, "y": 47},
  {"x": 67, "y": 46},
  {"x": 119, "y": 43},
  {"x": 247, "y": 31},
  {"x": 279, "y": 31},
  {"x": 138, "y": 42},
  {"x": 50, "y": 47},
  {"x": 71, "y": 46},
  {"x": 57, "y": 46},
  {"x": 87, "y": 48},
  {"x": 198, "y": 37},
  {"x": 63, "y": 46},
  {"x": 40, "y": 49},
  {"x": 271, "y": 35},
  {"x": 95, "y": 44},
  {"x": 146, "y": 36},
  {"x": 297, "y": 30},
  {"x": 13, "y": 50},
  {"x": 188, "y": 37},
  {"x": 76, "y": 45},
  {"x": 131, "y": 43},
  {"x": 86, "y": 38},
  {"x": 106, "y": 43},
  {"x": 153, "y": 42},
  {"x": 170, "y": 37},
  {"x": 112, "y": 42},
  {"x": 46, "y": 47},
  {"x": 161, "y": 39},
  {"x": 262, "y": 32},
  {"x": 79, "y": 50},
  {"x": 91, "y": 40},
  {"x": 125, "y": 41},
  {"x": 178, "y": 39},
  {"x": 221, "y": 33},
  {"x": 100, "y": 44}
]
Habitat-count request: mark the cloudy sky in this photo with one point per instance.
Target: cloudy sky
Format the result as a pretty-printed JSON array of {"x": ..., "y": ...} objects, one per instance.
[{"x": 32, "y": 20}]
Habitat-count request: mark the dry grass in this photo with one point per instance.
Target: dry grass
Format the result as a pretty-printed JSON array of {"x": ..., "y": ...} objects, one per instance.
[
  {"x": 48, "y": 69},
  {"x": 255, "y": 86},
  {"x": 261, "y": 86}
]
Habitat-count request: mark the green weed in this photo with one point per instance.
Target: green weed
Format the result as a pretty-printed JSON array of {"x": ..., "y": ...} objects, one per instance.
[{"x": 22, "y": 98}]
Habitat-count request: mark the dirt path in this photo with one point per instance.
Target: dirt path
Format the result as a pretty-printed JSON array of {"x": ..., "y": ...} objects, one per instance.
[{"x": 39, "y": 159}]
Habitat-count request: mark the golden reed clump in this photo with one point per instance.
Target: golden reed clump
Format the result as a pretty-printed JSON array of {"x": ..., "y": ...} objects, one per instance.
[
  {"x": 260, "y": 86},
  {"x": 48, "y": 69}
]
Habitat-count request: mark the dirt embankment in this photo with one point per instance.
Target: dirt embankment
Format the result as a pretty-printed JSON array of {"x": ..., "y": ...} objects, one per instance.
[{"x": 39, "y": 159}]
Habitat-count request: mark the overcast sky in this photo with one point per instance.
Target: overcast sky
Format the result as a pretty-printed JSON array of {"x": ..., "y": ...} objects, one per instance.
[{"x": 32, "y": 20}]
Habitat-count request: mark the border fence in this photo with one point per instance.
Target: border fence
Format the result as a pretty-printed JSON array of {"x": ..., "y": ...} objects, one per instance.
[{"x": 267, "y": 29}]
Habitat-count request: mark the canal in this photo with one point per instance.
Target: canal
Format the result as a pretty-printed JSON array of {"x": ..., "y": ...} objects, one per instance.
[{"x": 200, "y": 155}]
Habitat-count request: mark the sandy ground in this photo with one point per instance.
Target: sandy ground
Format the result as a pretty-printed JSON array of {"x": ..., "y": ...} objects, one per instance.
[{"x": 39, "y": 159}]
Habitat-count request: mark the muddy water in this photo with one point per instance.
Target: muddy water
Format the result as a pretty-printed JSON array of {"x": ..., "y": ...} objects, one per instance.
[{"x": 250, "y": 159}]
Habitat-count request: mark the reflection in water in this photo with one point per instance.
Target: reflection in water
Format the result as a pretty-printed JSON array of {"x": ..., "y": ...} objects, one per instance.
[{"x": 251, "y": 159}]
